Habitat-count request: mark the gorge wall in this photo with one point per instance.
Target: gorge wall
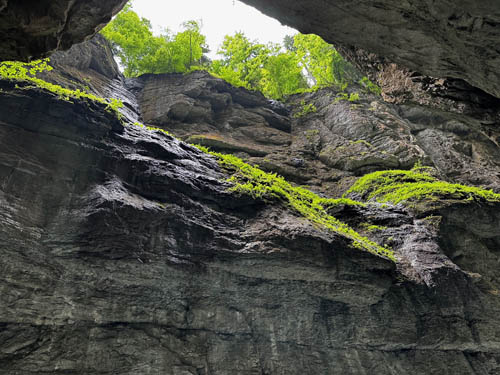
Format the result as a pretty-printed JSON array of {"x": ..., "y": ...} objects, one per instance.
[{"x": 124, "y": 252}]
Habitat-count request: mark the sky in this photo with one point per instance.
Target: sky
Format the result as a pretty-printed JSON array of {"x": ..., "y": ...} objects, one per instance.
[{"x": 219, "y": 18}]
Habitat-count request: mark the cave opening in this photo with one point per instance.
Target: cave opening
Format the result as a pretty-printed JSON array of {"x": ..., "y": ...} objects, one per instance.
[
  {"x": 232, "y": 41},
  {"x": 176, "y": 224}
]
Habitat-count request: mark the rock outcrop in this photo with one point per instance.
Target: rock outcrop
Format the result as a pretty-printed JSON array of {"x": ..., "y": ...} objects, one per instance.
[
  {"x": 327, "y": 148},
  {"x": 34, "y": 29},
  {"x": 123, "y": 251},
  {"x": 401, "y": 85},
  {"x": 445, "y": 39}
]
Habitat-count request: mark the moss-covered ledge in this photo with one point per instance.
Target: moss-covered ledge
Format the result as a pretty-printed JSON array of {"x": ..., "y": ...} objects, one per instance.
[
  {"x": 416, "y": 189},
  {"x": 251, "y": 180},
  {"x": 25, "y": 73}
]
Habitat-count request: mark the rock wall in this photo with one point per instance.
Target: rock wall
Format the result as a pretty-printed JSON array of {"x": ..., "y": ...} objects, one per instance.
[
  {"x": 328, "y": 148},
  {"x": 401, "y": 85},
  {"x": 123, "y": 252}
]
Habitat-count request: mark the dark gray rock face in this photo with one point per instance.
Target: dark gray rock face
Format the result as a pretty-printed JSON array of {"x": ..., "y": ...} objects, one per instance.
[
  {"x": 123, "y": 253},
  {"x": 401, "y": 85},
  {"x": 34, "y": 29},
  {"x": 329, "y": 148},
  {"x": 93, "y": 56},
  {"x": 354, "y": 138},
  {"x": 209, "y": 111},
  {"x": 456, "y": 39}
]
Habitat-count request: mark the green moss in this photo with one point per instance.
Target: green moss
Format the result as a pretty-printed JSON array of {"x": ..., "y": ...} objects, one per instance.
[
  {"x": 151, "y": 128},
  {"x": 370, "y": 86},
  {"x": 372, "y": 227},
  {"x": 361, "y": 141},
  {"x": 353, "y": 97},
  {"x": 202, "y": 148},
  {"x": 306, "y": 108},
  {"x": 252, "y": 181},
  {"x": 26, "y": 72},
  {"x": 334, "y": 202},
  {"x": 416, "y": 185},
  {"x": 217, "y": 142}
]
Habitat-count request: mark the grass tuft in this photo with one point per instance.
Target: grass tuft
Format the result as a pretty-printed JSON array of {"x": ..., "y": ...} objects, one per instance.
[{"x": 151, "y": 128}]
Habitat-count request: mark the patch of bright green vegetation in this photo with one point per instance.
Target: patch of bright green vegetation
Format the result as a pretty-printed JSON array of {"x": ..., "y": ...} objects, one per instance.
[
  {"x": 415, "y": 185},
  {"x": 276, "y": 70},
  {"x": 361, "y": 141},
  {"x": 372, "y": 227},
  {"x": 335, "y": 202},
  {"x": 26, "y": 72},
  {"x": 370, "y": 86},
  {"x": 306, "y": 108},
  {"x": 353, "y": 97},
  {"x": 151, "y": 128},
  {"x": 252, "y": 181}
]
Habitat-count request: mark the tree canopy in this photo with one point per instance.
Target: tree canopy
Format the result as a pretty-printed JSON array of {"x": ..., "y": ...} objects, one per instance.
[
  {"x": 259, "y": 67},
  {"x": 141, "y": 52},
  {"x": 302, "y": 62}
]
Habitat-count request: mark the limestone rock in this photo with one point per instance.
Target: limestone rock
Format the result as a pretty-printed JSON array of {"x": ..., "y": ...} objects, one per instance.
[
  {"x": 206, "y": 109},
  {"x": 401, "y": 85}
]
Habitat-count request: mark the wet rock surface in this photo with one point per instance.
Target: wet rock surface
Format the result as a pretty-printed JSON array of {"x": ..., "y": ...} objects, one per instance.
[
  {"x": 450, "y": 43},
  {"x": 123, "y": 251},
  {"x": 328, "y": 148}
]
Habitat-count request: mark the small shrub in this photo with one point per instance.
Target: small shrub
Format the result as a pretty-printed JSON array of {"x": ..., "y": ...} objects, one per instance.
[
  {"x": 353, "y": 97},
  {"x": 370, "y": 86},
  {"x": 305, "y": 109}
]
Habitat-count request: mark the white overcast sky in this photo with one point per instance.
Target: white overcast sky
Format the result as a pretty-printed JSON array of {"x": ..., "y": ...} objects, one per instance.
[{"x": 220, "y": 17}]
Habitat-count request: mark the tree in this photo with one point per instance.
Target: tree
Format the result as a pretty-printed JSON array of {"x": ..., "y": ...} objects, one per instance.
[
  {"x": 288, "y": 43},
  {"x": 324, "y": 65},
  {"x": 259, "y": 67},
  {"x": 191, "y": 43},
  {"x": 141, "y": 52},
  {"x": 244, "y": 58},
  {"x": 303, "y": 62},
  {"x": 282, "y": 76}
]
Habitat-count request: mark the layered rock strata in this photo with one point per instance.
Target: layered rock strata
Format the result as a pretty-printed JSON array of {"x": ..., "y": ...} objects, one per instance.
[{"x": 124, "y": 252}]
